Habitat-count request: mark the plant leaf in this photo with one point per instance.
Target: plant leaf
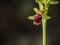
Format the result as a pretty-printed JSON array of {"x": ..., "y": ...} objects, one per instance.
[{"x": 31, "y": 17}]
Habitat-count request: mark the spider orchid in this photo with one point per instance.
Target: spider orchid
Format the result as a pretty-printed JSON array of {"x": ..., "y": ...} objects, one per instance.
[{"x": 41, "y": 15}]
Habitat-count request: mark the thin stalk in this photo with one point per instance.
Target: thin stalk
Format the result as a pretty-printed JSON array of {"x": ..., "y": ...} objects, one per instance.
[
  {"x": 44, "y": 28},
  {"x": 44, "y": 31}
]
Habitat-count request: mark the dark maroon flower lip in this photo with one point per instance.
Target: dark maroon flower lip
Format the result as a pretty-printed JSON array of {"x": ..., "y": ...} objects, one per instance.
[{"x": 37, "y": 18}]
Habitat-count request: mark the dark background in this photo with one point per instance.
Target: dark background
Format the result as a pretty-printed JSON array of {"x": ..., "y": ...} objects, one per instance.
[{"x": 16, "y": 29}]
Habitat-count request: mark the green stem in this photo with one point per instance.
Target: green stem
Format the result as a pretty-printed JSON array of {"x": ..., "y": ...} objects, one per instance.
[{"x": 44, "y": 31}]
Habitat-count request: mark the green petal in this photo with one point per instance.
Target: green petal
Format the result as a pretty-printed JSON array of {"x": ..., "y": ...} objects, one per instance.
[
  {"x": 35, "y": 9},
  {"x": 46, "y": 11},
  {"x": 31, "y": 17},
  {"x": 43, "y": 11},
  {"x": 44, "y": 15}
]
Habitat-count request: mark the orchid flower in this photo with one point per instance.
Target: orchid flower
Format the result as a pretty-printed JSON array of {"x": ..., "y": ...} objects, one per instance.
[{"x": 41, "y": 15}]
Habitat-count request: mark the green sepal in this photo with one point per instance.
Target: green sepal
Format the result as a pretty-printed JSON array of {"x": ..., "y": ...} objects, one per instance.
[
  {"x": 31, "y": 17},
  {"x": 54, "y": 2},
  {"x": 48, "y": 3},
  {"x": 39, "y": 0},
  {"x": 51, "y": 2},
  {"x": 40, "y": 6},
  {"x": 44, "y": 15}
]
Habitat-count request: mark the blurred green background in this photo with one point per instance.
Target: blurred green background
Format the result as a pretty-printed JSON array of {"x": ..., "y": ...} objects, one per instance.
[{"x": 16, "y": 29}]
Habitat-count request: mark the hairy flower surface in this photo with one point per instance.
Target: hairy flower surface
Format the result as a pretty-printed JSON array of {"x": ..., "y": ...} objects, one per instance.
[{"x": 37, "y": 18}]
